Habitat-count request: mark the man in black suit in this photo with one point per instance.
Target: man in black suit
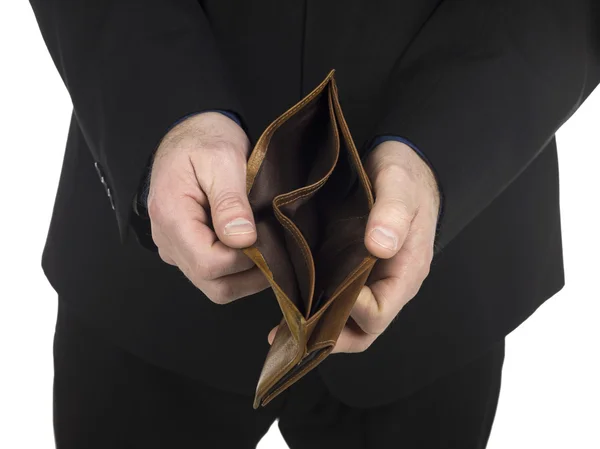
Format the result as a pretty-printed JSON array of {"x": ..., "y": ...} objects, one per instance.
[{"x": 454, "y": 105}]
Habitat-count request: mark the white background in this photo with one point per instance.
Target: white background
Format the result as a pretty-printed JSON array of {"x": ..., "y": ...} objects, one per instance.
[{"x": 551, "y": 387}]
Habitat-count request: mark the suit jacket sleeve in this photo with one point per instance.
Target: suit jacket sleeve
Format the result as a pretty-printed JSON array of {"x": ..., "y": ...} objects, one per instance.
[
  {"x": 484, "y": 86},
  {"x": 132, "y": 69}
]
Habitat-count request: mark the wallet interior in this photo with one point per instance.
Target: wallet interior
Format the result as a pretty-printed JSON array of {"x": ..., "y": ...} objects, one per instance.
[{"x": 311, "y": 200}]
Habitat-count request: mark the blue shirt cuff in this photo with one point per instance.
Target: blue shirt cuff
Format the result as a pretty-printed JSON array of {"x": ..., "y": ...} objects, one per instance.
[{"x": 380, "y": 139}]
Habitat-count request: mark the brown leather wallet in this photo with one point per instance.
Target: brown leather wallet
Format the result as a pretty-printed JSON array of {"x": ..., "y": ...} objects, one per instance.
[{"x": 311, "y": 198}]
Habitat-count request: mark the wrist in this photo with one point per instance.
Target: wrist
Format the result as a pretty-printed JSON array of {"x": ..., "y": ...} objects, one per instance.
[{"x": 194, "y": 130}]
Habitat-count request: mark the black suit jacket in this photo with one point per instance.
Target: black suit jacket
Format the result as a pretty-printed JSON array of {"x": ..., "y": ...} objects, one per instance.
[{"x": 480, "y": 86}]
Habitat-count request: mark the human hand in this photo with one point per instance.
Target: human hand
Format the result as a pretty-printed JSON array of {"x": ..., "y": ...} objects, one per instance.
[
  {"x": 400, "y": 232},
  {"x": 199, "y": 210}
]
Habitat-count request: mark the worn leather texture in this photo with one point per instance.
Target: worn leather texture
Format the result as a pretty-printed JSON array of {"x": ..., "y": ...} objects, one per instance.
[{"x": 311, "y": 198}]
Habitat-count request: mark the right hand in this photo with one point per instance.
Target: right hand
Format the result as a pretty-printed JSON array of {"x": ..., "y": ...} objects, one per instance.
[{"x": 199, "y": 210}]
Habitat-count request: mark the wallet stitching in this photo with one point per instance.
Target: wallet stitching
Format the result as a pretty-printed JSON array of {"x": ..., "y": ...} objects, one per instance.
[
  {"x": 283, "y": 219},
  {"x": 300, "y": 193},
  {"x": 265, "y": 138},
  {"x": 292, "y": 228},
  {"x": 300, "y": 239},
  {"x": 351, "y": 277},
  {"x": 297, "y": 236},
  {"x": 324, "y": 344},
  {"x": 304, "y": 193},
  {"x": 351, "y": 146}
]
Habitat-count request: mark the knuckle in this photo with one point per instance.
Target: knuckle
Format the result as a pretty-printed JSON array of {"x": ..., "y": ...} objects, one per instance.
[
  {"x": 414, "y": 291},
  {"x": 363, "y": 344},
  {"x": 227, "y": 201},
  {"x": 428, "y": 255},
  {"x": 397, "y": 174},
  {"x": 223, "y": 153},
  {"x": 377, "y": 319},
  {"x": 158, "y": 213},
  {"x": 353, "y": 347},
  {"x": 419, "y": 266},
  {"x": 418, "y": 262},
  {"x": 399, "y": 211},
  {"x": 375, "y": 323},
  {"x": 156, "y": 237},
  {"x": 196, "y": 278},
  {"x": 221, "y": 293},
  {"x": 197, "y": 282},
  {"x": 391, "y": 169},
  {"x": 378, "y": 327},
  {"x": 220, "y": 147},
  {"x": 425, "y": 270},
  {"x": 205, "y": 271},
  {"x": 424, "y": 264},
  {"x": 154, "y": 210},
  {"x": 163, "y": 254},
  {"x": 394, "y": 215}
]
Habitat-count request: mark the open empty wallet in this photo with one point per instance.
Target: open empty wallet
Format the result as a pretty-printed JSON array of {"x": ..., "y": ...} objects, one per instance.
[{"x": 311, "y": 197}]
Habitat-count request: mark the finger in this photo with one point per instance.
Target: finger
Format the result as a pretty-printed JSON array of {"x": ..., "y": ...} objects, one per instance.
[
  {"x": 163, "y": 245},
  {"x": 223, "y": 179},
  {"x": 353, "y": 339},
  {"x": 271, "y": 336},
  {"x": 166, "y": 258},
  {"x": 395, "y": 281},
  {"x": 378, "y": 304},
  {"x": 394, "y": 209},
  {"x": 196, "y": 247},
  {"x": 235, "y": 286}
]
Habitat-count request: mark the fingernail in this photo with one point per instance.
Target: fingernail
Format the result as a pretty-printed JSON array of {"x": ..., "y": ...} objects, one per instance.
[
  {"x": 238, "y": 226},
  {"x": 384, "y": 238}
]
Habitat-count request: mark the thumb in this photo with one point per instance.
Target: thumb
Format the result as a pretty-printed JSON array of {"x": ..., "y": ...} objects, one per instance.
[
  {"x": 225, "y": 187},
  {"x": 392, "y": 214}
]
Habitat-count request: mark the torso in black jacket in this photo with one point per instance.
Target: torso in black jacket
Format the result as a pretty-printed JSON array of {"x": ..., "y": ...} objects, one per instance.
[{"x": 479, "y": 86}]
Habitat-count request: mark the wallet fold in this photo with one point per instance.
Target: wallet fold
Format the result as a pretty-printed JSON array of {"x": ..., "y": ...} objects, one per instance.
[{"x": 311, "y": 198}]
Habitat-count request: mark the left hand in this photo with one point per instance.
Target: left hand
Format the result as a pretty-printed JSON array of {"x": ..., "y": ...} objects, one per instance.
[{"x": 400, "y": 232}]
